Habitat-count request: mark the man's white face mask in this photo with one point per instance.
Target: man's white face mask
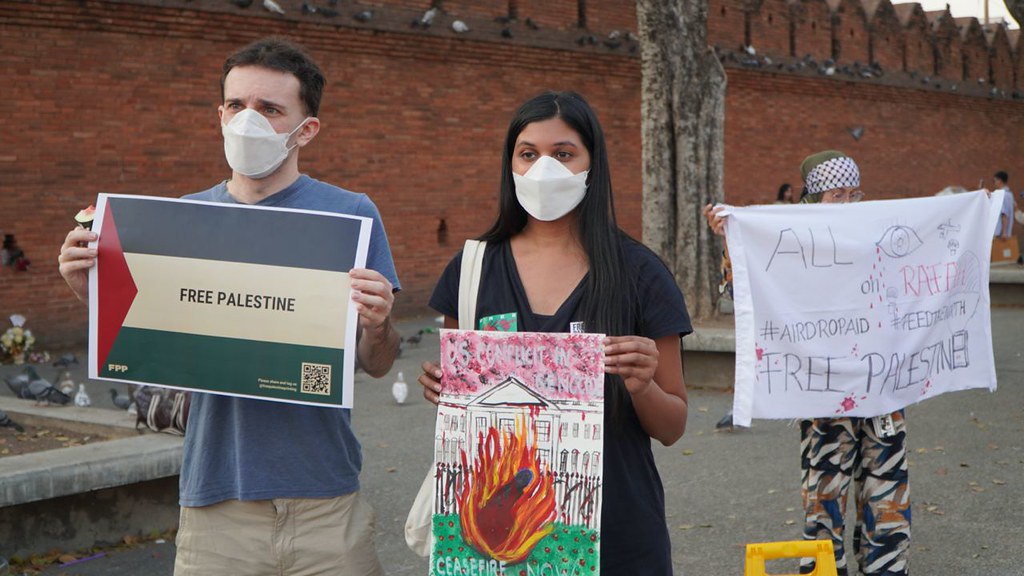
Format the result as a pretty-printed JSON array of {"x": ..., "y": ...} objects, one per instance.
[
  {"x": 549, "y": 190},
  {"x": 251, "y": 145}
]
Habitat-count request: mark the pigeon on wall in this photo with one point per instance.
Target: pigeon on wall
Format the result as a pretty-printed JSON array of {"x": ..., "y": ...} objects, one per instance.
[
  {"x": 272, "y": 6},
  {"x": 66, "y": 360}
]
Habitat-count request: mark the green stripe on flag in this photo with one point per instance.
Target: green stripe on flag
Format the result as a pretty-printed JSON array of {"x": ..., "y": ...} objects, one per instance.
[{"x": 229, "y": 365}]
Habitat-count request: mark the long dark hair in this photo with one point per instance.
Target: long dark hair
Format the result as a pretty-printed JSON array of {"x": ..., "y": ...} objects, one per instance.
[{"x": 608, "y": 302}]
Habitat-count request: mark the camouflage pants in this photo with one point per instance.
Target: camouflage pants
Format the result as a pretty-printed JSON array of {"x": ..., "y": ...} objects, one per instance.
[{"x": 836, "y": 451}]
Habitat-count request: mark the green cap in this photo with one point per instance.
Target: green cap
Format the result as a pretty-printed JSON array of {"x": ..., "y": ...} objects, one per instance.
[{"x": 828, "y": 170}]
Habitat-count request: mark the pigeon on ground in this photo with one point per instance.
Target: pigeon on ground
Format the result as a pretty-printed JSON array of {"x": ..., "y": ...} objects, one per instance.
[
  {"x": 416, "y": 338},
  {"x": 531, "y": 24},
  {"x": 42, "y": 391},
  {"x": 122, "y": 401},
  {"x": 364, "y": 16},
  {"x": 18, "y": 384},
  {"x": 400, "y": 390},
  {"x": 460, "y": 27},
  {"x": 6, "y": 422},
  {"x": 66, "y": 360},
  {"x": 725, "y": 422}
]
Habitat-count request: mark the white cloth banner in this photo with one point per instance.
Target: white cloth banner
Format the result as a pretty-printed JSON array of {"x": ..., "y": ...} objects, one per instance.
[{"x": 860, "y": 309}]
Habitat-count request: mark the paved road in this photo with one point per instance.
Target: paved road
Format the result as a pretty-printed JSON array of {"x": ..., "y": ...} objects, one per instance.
[{"x": 725, "y": 490}]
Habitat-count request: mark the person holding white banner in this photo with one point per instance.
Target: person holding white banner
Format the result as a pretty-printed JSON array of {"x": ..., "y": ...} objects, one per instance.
[{"x": 870, "y": 453}]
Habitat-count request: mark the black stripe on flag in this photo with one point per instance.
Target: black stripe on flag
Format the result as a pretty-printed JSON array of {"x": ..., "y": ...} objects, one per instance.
[{"x": 235, "y": 234}]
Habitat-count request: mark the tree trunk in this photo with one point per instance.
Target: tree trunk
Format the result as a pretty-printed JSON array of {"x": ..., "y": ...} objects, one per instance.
[
  {"x": 683, "y": 114},
  {"x": 1016, "y": 8}
]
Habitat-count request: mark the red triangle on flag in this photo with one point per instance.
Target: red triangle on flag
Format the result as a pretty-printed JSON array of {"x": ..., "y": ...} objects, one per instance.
[{"x": 117, "y": 290}]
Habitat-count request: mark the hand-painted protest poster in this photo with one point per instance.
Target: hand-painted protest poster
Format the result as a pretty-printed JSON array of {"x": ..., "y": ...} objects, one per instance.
[
  {"x": 518, "y": 451},
  {"x": 860, "y": 309},
  {"x": 223, "y": 298}
]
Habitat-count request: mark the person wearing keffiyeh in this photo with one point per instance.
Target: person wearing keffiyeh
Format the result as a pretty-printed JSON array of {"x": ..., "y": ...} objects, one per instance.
[{"x": 869, "y": 453}]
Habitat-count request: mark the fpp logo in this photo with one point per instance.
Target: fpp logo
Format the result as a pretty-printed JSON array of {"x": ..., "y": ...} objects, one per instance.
[{"x": 117, "y": 368}]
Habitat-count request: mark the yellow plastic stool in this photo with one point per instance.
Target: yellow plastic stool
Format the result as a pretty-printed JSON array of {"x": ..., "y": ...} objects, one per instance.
[{"x": 821, "y": 550}]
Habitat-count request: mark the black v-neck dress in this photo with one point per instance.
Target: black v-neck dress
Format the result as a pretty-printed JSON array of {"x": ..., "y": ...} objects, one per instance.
[{"x": 634, "y": 535}]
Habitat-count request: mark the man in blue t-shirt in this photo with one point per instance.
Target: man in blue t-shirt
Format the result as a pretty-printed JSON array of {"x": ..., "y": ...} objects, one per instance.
[{"x": 270, "y": 488}]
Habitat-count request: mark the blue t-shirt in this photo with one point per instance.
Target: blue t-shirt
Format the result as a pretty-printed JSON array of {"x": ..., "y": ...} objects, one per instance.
[{"x": 246, "y": 449}]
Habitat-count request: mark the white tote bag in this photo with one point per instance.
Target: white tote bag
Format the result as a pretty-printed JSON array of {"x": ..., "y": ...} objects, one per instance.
[{"x": 418, "y": 523}]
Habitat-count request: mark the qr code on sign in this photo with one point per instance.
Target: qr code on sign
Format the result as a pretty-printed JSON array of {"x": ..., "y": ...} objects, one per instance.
[{"x": 316, "y": 378}]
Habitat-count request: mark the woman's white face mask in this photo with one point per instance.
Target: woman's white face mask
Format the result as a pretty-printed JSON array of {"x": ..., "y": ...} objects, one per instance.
[
  {"x": 251, "y": 145},
  {"x": 549, "y": 190}
]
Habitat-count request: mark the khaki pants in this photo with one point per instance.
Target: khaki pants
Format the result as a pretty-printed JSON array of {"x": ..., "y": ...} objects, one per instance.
[{"x": 281, "y": 537}]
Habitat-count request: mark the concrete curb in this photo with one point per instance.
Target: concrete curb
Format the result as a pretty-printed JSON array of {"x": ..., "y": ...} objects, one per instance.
[
  {"x": 54, "y": 473},
  {"x": 711, "y": 340},
  {"x": 1006, "y": 274}
]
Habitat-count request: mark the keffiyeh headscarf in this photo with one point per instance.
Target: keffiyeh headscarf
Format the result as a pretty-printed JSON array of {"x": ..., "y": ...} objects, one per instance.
[{"x": 829, "y": 170}]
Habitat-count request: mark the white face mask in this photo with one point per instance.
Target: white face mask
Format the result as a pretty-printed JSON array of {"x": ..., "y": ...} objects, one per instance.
[
  {"x": 549, "y": 190},
  {"x": 251, "y": 145}
]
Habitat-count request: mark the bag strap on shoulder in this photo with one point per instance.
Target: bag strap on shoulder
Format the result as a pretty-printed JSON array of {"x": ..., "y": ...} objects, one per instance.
[{"x": 469, "y": 282}]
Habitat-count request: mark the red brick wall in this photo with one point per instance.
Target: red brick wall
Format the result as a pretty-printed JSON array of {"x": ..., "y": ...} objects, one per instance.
[
  {"x": 726, "y": 23},
  {"x": 556, "y": 14},
  {"x": 886, "y": 38},
  {"x": 851, "y": 33},
  {"x": 975, "y": 54},
  {"x": 1002, "y": 62},
  {"x": 948, "y": 52},
  {"x": 769, "y": 28},
  {"x": 919, "y": 53},
  {"x": 413, "y": 120},
  {"x": 915, "y": 141},
  {"x": 121, "y": 97},
  {"x": 1018, "y": 67},
  {"x": 474, "y": 8},
  {"x": 813, "y": 29},
  {"x": 609, "y": 15}
]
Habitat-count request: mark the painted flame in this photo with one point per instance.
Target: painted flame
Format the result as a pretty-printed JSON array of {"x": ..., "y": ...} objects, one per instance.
[{"x": 500, "y": 457}]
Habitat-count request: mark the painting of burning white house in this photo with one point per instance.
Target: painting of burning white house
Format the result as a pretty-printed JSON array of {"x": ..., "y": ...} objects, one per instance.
[{"x": 517, "y": 454}]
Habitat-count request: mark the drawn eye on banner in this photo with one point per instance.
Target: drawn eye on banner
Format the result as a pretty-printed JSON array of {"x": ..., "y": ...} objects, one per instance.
[{"x": 860, "y": 309}]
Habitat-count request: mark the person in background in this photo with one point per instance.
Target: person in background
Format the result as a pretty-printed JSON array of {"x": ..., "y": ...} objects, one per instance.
[
  {"x": 1004, "y": 229},
  {"x": 785, "y": 195},
  {"x": 837, "y": 455}
]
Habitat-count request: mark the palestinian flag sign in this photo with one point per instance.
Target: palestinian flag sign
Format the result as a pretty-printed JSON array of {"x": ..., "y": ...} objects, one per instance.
[{"x": 224, "y": 298}]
